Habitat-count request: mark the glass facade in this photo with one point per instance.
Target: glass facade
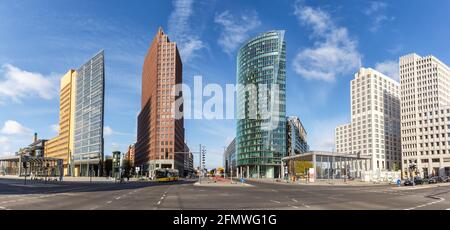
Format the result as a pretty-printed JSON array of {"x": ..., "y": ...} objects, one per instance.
[
  {"x": 331, "y": 165},
  {"x": 261, "y": 122},
  {"x": 296, "y": 137},
  {"x": 89, "y": 106}
]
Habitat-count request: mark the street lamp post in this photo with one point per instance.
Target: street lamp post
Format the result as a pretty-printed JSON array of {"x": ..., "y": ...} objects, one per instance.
[
  {"x": 231, "y": 172},
  {"x": 411, "y": 171},
  {"x": 200, "y": 159}
]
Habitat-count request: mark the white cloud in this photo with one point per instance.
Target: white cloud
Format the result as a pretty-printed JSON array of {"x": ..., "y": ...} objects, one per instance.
[
  {"x": 390, "y": 68},
  {"x": 5, "y": 145},
  {"x": 55, "y": 128},
  {"x": 375, "y": 7},
  {"x": 107, "y": 131},
  {"x": 376, "y": 11},
  {"x": 17, "y": 84},
  {"x": 235, "y": 30},
  {"x": 14, "y": 128},
  {"x": 334, "y": 53},
  {"x": 180, "y": 29}
]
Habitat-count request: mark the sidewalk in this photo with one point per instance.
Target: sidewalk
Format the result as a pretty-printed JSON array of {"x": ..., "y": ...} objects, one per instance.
[
  {"x": 321, "y": 182},
  {"x": 68, "y": 179},
  {"x": 423, "y": 186}
]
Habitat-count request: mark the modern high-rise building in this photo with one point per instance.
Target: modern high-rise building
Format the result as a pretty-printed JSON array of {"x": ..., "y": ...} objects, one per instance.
[
  {"x": 425, "y": 116},
  {"x": 188, "y": 161},
  {"x": 61, "y": 147},
  {"x": 160, "y": 136},
  {"x": 375, "y": 121},
  {"x": 261, "y": 106},
  {"x": 130, "y": 155},
  {"x": 296, "y": 136},
  {"x": 89, "y": 104},
  {"x": 229, "y": 159},
  {"x": 80, "y": 139}
]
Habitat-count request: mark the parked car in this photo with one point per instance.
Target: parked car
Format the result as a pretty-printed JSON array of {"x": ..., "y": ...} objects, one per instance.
[
  {"x": 408, "y": 182},
  {"x": 443, "y": 179},
  {"x": 417, "y": 181},
  {"x": 433, "y": 180}
]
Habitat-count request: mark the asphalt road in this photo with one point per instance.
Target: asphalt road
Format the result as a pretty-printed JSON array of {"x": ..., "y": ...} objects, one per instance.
[{"x": 184, "y": 195}]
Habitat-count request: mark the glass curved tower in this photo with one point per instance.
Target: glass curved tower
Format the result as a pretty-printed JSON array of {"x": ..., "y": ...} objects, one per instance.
[{"x": 261, "y": 106}]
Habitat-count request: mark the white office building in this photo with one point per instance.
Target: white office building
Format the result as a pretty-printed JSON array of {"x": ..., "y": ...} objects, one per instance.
[
  {"x": 425, "y": 116},
  {"x": 375, "y": 121}
]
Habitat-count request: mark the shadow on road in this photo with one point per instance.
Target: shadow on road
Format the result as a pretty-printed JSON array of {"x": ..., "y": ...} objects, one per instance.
[{"x": 17, "y": 187}]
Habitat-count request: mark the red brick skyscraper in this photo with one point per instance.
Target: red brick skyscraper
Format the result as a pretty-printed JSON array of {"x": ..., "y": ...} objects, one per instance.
[{"x": 160, "y": 137}]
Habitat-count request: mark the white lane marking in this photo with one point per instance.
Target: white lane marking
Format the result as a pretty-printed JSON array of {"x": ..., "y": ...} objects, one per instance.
[
  {"x": 109, "y": 202},
  {"x": 307, "y": 206},
  {"x": 159, "y": 202},
  {"x": 294, "y": 206},
  {"x": 118, "y": 198},
  {"x": 274, "y": 201},
  {"x": 1, "y": 207},
  {"x": 427, "y": 204},
  {"x": 296, "y": 201},
  {"x": 447, "y": 209},
  {"x": 162, "y": 198}
]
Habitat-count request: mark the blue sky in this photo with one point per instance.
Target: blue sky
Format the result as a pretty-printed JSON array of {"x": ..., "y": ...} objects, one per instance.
[{"x": 327, "y": 41}]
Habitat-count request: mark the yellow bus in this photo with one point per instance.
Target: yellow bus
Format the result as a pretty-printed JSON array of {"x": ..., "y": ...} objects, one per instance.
[{"x": 166, "y": 175}]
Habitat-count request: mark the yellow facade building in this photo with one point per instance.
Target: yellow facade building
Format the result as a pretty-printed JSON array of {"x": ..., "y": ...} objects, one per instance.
[{"x": 62, "y": 146}]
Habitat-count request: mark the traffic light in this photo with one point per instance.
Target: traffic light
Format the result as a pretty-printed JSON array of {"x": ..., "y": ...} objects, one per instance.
[{"x": 203, "y": 156}]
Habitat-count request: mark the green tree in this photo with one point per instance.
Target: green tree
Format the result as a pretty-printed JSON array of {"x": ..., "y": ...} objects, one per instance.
[
  {"x": 395, "y": 167},
  {"x": 108, "y": 166},
  {"x": 127, "y": 167},
  {"x": 301, "y": 167}
]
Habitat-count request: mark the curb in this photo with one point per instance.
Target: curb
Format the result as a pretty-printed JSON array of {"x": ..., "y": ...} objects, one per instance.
[{"x": 422, "y": 186}]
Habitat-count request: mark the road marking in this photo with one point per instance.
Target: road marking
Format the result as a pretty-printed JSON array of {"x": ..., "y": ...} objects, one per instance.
[
  {"x": 109, "y": 202},
  {"x": 447, "y": 209},
  {"x": 294, "y": 206},
  {"x": 1, "y": 207},
  {"x": 296, "y": 201},
  {"x": 162, "y": 198},
  {"x": 118, "y": 198},
  {"x": 274, "y": 201},
  {"x": 307, "y": 206},
  {"x": 427, "y": 204},
  {"x": 159, "y": 202}
]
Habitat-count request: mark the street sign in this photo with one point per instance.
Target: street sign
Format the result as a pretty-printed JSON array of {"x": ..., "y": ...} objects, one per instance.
[{"x": 399, "y": 182}]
